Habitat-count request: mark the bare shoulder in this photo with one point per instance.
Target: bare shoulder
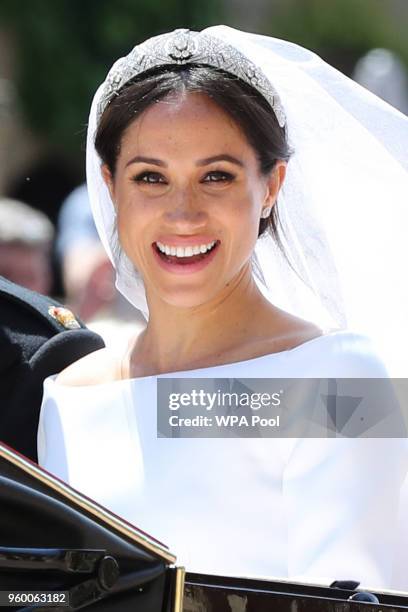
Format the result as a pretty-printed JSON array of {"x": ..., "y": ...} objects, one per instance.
[
  {"x": 95, "y": 368},
  {"x": 304, "y": 331}
]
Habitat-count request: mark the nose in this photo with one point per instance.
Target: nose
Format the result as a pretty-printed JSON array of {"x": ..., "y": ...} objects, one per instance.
[{"x": 186, "y": 212}]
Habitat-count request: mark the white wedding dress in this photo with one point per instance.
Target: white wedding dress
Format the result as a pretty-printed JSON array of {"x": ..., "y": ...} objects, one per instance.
[{"x": 305, "y": 509}]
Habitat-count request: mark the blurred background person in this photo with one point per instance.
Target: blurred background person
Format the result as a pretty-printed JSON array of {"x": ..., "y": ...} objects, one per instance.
[
  {"x": 87, "y": 273},
  {"x": 26, "y": 236},
  {"x": 382, "y": 72}
]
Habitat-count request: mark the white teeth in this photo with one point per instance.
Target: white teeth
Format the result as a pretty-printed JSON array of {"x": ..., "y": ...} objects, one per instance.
[{"x": 188, "y": 251}]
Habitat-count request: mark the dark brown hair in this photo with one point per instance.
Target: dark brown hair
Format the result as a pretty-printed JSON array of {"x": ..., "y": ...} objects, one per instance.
[{"x": 244, "y": 104}]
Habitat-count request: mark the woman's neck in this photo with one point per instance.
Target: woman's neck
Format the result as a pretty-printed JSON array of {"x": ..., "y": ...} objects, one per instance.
[{"x": 179, "y": 339}]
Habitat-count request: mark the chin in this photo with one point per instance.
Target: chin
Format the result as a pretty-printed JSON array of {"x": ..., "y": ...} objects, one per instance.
[{"x": 187, "y": 299}]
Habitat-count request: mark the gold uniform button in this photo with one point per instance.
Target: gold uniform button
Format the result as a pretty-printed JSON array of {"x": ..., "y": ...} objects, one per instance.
[{"x": 64, "y": 316}]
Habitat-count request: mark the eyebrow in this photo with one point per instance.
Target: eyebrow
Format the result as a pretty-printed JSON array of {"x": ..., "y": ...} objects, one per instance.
[
  {"x": 146, "y": 160},
  {"x": 201, "y": 162},
  {"x": 222, "y": 157}
]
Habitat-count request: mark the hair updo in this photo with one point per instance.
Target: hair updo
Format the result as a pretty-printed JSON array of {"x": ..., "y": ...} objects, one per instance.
[{"x": 244, "y": 104}]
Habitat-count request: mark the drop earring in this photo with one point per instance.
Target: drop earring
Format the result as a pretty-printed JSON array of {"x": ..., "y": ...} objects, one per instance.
[{"x": 266, "y": 212}]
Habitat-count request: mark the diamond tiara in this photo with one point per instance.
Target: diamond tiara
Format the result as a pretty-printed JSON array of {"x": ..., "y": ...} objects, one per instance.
[{"x": 187, "y": 47}]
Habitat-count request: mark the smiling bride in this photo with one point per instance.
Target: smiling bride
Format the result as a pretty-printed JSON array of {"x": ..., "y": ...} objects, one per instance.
[{"x": 195, "y": 140}]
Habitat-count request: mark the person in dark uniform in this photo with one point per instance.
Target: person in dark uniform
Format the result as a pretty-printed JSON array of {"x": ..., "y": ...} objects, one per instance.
[{"x": 38, "y": 338}]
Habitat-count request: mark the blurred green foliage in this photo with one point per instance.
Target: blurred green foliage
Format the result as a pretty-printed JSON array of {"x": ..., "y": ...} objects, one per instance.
[
  {"x": 66, "y": 47},
  {"x": 341, "y": 31}
]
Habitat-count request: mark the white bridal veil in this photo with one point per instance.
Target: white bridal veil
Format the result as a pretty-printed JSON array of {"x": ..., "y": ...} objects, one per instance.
[{"x": 344, "y": 205}]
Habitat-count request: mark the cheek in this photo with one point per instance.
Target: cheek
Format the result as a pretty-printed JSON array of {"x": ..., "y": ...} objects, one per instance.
[
  {"x": 129, "y": 228},
  {"x": 133, "y": 217},
  {"x": 243, "y": 219},
  {"x": 136, "y": 223}
]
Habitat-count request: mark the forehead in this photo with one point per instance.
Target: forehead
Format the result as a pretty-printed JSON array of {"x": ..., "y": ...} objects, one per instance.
[{"x": 184, "y": 123}]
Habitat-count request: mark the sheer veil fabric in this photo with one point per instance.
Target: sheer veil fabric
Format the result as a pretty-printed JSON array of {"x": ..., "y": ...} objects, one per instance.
[{"x": 343, "y": 208}]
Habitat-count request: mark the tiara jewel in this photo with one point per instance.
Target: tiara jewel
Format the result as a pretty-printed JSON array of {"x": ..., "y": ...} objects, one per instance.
[{"x": 187, "y": 47}]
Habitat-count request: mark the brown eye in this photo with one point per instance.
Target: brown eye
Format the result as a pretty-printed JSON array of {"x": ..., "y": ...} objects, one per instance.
[
  {"x": 151, "y": 178},
  {"x": 218, "y": 177}
]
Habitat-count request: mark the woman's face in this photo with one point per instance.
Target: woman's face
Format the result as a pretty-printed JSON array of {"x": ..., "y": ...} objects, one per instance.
[{"x": 187, "y": 182}]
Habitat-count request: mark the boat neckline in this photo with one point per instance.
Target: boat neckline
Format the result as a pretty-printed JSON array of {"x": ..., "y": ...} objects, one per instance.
[{"x": 188, "y": 373}]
